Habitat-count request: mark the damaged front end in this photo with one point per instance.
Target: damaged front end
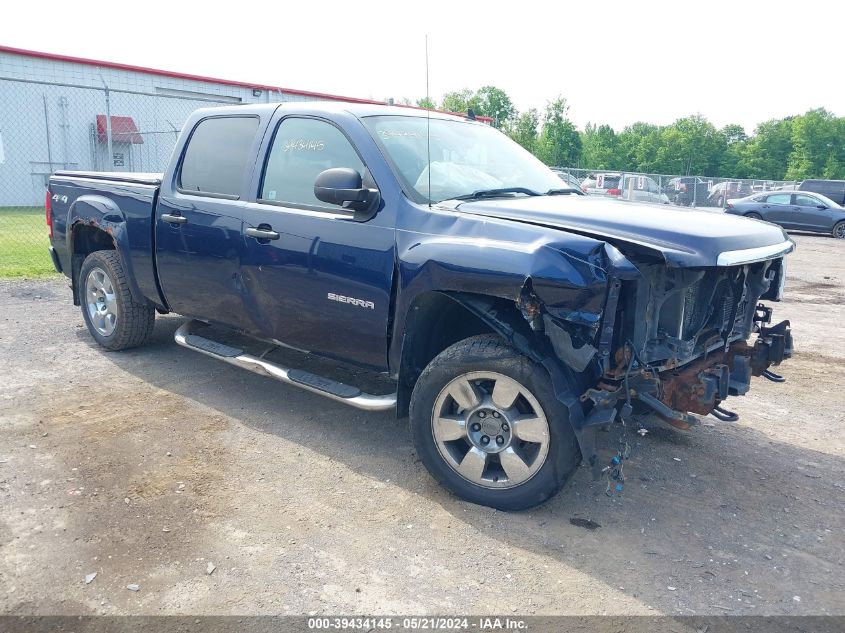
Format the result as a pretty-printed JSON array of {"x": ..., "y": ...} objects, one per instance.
[{"x": 679, "y": 341}]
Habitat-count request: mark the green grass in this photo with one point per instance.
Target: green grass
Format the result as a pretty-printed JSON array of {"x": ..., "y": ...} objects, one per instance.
[{"x": 24, "y": 243}]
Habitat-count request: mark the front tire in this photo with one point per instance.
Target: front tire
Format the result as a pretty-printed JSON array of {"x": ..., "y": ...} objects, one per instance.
[
  {"x": 839, "y": 230},
  {"x": 113, "y": 317},
  {"x": 754, "y": 216},
  {"x": 487, "y": 425}
]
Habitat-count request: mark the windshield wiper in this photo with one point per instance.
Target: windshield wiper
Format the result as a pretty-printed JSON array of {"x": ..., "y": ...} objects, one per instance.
[
  {"x": 564, "y": 192},
  {"x": 493, "y": 193}
]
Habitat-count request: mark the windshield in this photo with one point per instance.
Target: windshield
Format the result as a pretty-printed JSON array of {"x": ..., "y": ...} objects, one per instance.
[{"x": 466, "y": 157}]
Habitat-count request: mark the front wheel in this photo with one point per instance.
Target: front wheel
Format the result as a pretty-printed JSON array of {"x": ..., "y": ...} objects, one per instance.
[
  {"x": 113, "y": 317},
  {"x": 839, "y": 230},
  {"x": 487, "y": 426},
  {"x": 754, "y": 216}
]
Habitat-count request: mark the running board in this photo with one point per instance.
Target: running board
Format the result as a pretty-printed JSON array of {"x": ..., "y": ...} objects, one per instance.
[{"x": 338, "y": 391}]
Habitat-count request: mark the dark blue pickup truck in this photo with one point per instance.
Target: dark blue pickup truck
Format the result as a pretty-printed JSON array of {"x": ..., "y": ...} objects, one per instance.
[{"x": 510, "y": 318}]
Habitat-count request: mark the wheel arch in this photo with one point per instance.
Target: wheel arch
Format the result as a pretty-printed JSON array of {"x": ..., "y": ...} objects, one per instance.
[{"x": 96, "y": 223}]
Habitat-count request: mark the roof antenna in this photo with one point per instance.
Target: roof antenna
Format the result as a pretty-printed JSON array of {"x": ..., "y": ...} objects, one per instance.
[{"x": 428, "y": 122}]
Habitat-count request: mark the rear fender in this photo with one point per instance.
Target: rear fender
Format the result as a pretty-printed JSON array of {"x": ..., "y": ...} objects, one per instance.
[{"x": 105, "y": 216}]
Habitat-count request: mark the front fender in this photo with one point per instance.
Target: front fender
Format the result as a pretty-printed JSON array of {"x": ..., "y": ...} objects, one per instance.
[{"x": 103, "y": 214}]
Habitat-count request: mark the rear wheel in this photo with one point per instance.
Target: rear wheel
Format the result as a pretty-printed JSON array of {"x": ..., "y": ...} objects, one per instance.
[
  {"x": 488, "y": 427},
  {"x": 113, "y": 317},
  {"x": 839, "y": 230},
  {"x": 754, "y": 216}
]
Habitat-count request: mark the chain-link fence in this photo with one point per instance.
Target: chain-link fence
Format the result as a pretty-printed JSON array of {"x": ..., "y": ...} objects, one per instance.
[
  {"x": 686, "y": 191},
  {"x": 45, "y": 127}
]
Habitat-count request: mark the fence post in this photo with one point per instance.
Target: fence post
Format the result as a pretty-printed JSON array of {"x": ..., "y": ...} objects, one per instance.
[{"x": 110, "y": 157}]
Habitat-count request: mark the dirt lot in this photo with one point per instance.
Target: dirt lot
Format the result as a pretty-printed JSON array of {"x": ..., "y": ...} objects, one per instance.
[{"x": 146, "y": 466}]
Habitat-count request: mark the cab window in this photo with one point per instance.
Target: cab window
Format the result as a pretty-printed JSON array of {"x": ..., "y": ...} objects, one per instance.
[
  {"x": 302, "y": 148},
  {"x": 217, "y": 155}
]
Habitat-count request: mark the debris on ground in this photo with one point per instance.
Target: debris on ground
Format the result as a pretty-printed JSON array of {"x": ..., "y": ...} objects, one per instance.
[
  {"x": 89, "y": 578},
  {"x": 133, "y": 587},
  {"x": 584, "y": 523}
]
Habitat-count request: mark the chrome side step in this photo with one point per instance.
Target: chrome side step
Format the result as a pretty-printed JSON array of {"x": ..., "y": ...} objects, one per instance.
[{"x": 338, "y": 391}]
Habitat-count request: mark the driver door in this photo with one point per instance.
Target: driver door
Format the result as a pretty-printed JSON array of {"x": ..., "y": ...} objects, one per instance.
[{"x": 315, "y": 279}]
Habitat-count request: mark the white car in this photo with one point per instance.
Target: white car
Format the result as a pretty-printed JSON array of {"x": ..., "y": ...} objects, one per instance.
[{"x": 624, "y": 187}]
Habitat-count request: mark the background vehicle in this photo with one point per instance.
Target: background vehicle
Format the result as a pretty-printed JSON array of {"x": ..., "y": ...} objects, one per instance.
[
  {"x": 832, "y": 189},
  {"x": 721, "y": 192},
  {"x": 568, "y": 179},
  {"x": 642, "y": 189},
  {"x": 687, "y": 190},
  {"x": 803, "y": 211},
  {"x": 510, "y": 319},
  {"x": 602, "y": 184}
]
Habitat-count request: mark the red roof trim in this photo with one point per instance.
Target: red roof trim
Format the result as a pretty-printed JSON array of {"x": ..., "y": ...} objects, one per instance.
[{"x": 227, "y": 82}]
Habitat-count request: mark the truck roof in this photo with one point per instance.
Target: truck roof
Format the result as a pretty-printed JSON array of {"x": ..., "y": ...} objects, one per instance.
[{"x": 329, "y": 107}]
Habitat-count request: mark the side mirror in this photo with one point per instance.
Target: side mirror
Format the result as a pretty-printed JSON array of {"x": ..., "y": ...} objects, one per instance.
[
  {"x": 821, "y": 206},
  {"x": 344, "y": 187}
]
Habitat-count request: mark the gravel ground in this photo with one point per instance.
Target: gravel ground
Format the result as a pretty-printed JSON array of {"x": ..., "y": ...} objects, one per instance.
[{"x": 156, "y": 466}]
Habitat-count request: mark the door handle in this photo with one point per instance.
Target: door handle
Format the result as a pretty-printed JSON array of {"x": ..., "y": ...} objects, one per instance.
[
  {"x": 173, "y": 219},
  {"x": 261, "y": 234}
]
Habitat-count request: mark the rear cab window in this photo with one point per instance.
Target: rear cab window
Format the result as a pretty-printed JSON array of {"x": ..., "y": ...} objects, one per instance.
[{"x": 217, "y": 154}]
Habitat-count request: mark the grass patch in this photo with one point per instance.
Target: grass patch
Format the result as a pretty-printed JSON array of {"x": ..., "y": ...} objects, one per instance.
[{"x": 24, "y": 243}]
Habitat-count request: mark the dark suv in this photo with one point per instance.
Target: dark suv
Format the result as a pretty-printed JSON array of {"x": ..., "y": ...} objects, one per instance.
[
  {"x": 833, "y": 189},
  {"x": 686, "y": 190}
]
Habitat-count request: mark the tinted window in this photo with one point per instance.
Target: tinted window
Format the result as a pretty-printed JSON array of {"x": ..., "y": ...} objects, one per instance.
[
  {"x": 217, "y": 154},
  {"x": 806, "y": 201},
  {"x": 779, "y": 198},
  {"x": 302, "y": 149}
]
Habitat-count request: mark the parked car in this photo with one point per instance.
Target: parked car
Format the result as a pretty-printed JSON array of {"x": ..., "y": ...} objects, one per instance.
[
  {"x": 832, "y": 189},
  {"x": 511, "y": 319},
  {"x": 803, "y": 211},
  {"x": 602, "y": 184},
  {"x": 687, "y": 190},
  {"x": 642, "y": 189},
  {"x": 568, "y": 179},
  {"x": 721, "y": 192}
]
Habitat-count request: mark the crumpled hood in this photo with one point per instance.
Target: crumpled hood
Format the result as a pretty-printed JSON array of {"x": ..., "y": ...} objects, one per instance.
[{"x": 682, "y": 237}]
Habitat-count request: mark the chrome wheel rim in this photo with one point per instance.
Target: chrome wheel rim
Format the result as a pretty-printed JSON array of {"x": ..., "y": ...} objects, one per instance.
[
  {"x": 490, "y": 429},
  {"x": 839, "y": 231},
  {"x": 100, "y": 301}
]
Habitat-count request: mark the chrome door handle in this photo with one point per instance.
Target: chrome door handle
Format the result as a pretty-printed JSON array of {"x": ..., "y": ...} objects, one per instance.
[
  {"x": 261, "y": 234},
  {"x": 173, "y": 219}
]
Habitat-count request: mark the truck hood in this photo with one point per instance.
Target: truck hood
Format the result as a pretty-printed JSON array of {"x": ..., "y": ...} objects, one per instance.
[{"x": 683, "y": 238}]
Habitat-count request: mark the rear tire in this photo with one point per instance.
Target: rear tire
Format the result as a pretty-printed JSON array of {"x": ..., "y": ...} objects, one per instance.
[
  {"x": 754, "y": 216},
  {"x": 529, "y": 455},
  {"x": 839, "y": 230},
  {"x": 113, "y": 317}
]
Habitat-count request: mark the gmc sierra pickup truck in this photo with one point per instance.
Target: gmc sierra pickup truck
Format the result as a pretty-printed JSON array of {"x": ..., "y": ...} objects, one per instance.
[{"x": 510, "y": 318}]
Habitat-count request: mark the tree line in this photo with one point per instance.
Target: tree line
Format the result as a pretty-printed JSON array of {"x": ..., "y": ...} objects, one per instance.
[{"x": 809, "y": 145}]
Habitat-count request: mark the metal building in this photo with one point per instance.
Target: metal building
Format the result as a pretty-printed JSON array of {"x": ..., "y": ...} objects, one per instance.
[{"x": 60, "y": 112}]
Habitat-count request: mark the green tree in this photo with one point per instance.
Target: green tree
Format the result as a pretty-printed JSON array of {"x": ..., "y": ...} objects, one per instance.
[
  {"x": 559, "y": 143},
  {"x": 601, "y": 148},
  {"x": 817, "y": 146},
  {"x": 638, "y": 144},
  {"x": 495, "y": 103},
  {"x": 736, "y": 147},
  {"x": 767, "y": 152},
  {"x": 460, "y": 101},
  {"x": 524, "y": 129},
  {"x": 427, "y": 103}
]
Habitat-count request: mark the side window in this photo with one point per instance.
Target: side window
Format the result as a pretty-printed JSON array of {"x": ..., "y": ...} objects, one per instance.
[
  {"x": 806, "y": 201},
  {"x": 217, "y": 154},
  {"x": 301, "y": 150},
  {"x": 778, "y": 198}
]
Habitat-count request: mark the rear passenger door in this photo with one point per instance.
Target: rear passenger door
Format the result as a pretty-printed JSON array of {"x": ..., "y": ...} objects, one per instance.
[
  {"x": 314, "y": 278},
  {"x": 777, "y": 208},
  {"x": 198, "y": 220}
]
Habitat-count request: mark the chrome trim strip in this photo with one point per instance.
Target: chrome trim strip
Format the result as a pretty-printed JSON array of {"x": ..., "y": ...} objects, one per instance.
[
  {"x": 365, "y": 401},
  {"x": 748, "y": 255}
]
